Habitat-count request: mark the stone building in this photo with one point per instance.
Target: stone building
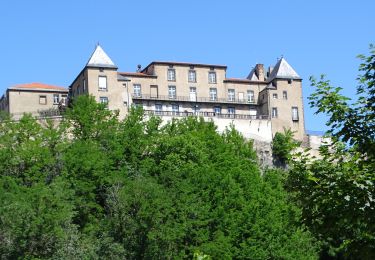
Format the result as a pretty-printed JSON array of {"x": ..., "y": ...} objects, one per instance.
[
  {"x": 259, "y": 105},
  {"x": 34, "y": 98}
]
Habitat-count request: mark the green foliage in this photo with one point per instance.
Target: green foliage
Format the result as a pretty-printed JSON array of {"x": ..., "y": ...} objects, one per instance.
[
  {"x": 336, "y": 192},
  {"x": 354, "y": 123},
  {"x": 337, "y": 195},
  {"x": 282, "y": 146},
  {"x": 95, "y": 187}
]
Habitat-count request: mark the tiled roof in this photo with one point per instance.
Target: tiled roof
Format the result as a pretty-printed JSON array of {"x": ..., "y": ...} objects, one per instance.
[
  {"x": 184, "y": 64},
  {"x": 36, "y": 86},
  {"x": 236, "y": 80},
  {"x": 136, "y": 74}
]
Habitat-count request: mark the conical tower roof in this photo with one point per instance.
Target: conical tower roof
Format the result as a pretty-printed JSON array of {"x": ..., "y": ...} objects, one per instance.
[
  {"x": 100, "y": 59},
  {"x": 283, "y": 70}
]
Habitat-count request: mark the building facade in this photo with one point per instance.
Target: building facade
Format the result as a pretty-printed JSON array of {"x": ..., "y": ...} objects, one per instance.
[
  {"x": 263, "y": 103},
  {"x": 34, "y": 98}
]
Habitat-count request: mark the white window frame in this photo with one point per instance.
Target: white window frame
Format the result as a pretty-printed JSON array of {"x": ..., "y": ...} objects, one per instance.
[
  {"x": 213, "y": 94},
  {"x": 192, "y": 76},
  {"x": 137, "y": 90},
  {"x": 171, "y": 75},
  {"x": 193, "y": 94},
  {"x": 231, "y": 95},
  {"x": 250, "y": 96},
  {"x": 295, "y": 116},
  {"x": 104, "y": 100},
  {"x": 212, "y": 77},
  {"x": 56, "y": 99},
  {"x": 102, "y": 83},
  {"x": 172, "y": 92}
]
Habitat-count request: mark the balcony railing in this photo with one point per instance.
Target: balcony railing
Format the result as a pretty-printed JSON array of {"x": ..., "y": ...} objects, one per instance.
[
  {"x": 194, "y": 99},
  {"x": 204, "y": 114}
]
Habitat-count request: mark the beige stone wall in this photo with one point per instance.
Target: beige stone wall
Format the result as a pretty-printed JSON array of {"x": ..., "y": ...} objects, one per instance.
[
  {"x": 116, "y": 91},
  {"x": 284, "y": 107},
  {"x": 202, "y": 86},
  {"x": 29, "y": 101}
]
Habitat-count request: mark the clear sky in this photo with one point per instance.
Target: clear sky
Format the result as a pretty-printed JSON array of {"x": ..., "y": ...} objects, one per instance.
[{"x": 51, "y": 41}]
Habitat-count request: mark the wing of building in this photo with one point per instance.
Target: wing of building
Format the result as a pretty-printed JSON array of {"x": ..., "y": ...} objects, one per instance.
[
  {"x": 34, "y": 98},
  {"x": 263, "y": 103},
  {"x": 259, "y": 106}
]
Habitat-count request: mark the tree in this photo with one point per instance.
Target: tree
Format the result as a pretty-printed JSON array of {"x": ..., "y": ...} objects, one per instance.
[
  {"x": 354, "y": 123},
  {"x": 336, "y": 192},
  {"x": 283, "y": 145}
]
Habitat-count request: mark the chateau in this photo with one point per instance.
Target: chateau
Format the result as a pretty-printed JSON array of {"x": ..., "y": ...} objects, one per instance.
[{"x": 263, "y": 103}]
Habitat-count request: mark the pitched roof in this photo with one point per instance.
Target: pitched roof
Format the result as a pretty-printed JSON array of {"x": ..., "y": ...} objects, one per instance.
[
  {"x": 100, "y": 59},
  {"x": 184, "y": 64},
  {"x": 283, "y": 70},
  {"x": 37, "y": 86},
  {"x": 252, "y": 75},
  {"x": 137, "y": 74}
]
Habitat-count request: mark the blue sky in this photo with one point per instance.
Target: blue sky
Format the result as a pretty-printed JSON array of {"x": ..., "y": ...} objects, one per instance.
[{"x": 50, "y": 41}]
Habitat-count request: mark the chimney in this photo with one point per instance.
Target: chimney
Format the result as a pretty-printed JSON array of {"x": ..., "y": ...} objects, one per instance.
[
  {"x": 139, "y": 67},
  {"x": 259, "y": 70},
  {"x": 270, "y": 69}
]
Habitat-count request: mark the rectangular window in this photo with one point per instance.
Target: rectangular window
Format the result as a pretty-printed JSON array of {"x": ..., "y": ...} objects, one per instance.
[
  {"x": 158, "y": 109},
  {"x": 64, "y": 100},
  {"x": 231, "y": 110},
  {"x": 43, "y": 100},
  {"x": 250, "y": 96},
  {"x": 137, "y": 105},
  {"x": 295, "y": 114},
  {"x": 172, "y": 92},
  {"x": 192, "y": 76},
  {"x": 274, "y": 112},
  {"x": 103, "y": 100},
  {"x": 193, "y": 94},
  {"x": 84, "y": 86},
  {"x": 285, "y": 95},
  {"x": 171, "y": 75},
  {"x": 213, "y": 94},
  {"x": 56, "y": 99},
  {"x": 102, "y": 83},
  {"x": 137, "y": 90},
  {"x": 231, "y": 95},
  {"x": 217, "y": 110},
  {"x": 175, "y": 109},
  {"x": 211, "y": 77},
  {"x": 274, "y": 96}
]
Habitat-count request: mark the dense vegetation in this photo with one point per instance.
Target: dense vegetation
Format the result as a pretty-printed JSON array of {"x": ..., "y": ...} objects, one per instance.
[
  {"x": 96, "y": 187},
  {"x": 337, "y": 192}
]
